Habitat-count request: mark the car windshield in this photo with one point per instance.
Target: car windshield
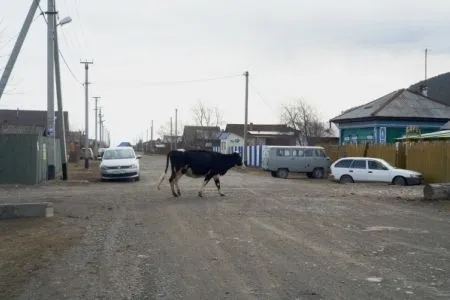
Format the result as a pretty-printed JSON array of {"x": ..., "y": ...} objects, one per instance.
[
  {"x": 388, "y": 165},
  {"x": 118, "y": 154}
]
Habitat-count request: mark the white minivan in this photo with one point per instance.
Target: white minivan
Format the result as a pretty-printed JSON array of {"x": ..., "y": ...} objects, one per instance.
[
  {"x": 281, "y": 160},
  {"x": 371, "y": 169}
]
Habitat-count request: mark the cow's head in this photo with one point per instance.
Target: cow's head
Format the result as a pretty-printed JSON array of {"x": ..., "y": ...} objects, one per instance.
[{"x": 237, "y": 159}]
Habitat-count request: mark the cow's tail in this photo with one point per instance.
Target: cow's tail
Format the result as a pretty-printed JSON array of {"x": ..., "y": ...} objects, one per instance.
[{"x": 163, "y": 175}]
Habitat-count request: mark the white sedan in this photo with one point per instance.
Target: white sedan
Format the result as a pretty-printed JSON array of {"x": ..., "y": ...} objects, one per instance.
[
  {"x": 120, "y": 163},
  {"x": 370, "y": 169}
]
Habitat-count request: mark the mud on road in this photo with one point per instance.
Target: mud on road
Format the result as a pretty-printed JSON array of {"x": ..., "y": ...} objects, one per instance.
[{"x": 267, "y": 239}]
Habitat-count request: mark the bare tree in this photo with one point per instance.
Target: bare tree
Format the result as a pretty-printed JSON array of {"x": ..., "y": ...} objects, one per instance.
[
  {"x": 206, "y": 116},
  {"x": 304, "y": 119},
  {"x": 165, "y": 129}
]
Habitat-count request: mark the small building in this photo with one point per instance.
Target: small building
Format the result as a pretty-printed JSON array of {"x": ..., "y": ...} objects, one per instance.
[
  {"x": 386, "y": 118},
  {"x": 260, "y": 134},
  {"x": 28, "y": 121},
  {"x": 229, "y": 141},
  {"x": 201, "y": 137}
]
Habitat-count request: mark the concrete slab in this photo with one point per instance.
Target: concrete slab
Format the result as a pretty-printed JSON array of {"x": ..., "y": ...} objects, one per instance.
[{"x": 20, "y": 210}]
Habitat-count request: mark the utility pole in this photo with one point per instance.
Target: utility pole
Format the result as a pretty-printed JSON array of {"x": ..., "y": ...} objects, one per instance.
[
  {"x": 176, "y": 128},
  {"x": 60, "y": 117},
  {"x": 171, "y": 135},
  {"x": 426, "y": 58},
  {"x": 96, "y": 124},
  {"x": 86, "y": 125},
  {"x": 246, "y": 118},
  {"x": 100, "y": 124},
  {"x": 151, "y": 136},
  {"x": 51, "y": 157},
  {"x": 18, "y": 46}
]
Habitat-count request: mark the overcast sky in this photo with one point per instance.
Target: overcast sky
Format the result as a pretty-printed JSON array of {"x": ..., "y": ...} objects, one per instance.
[{"x": 333, "y": 54}]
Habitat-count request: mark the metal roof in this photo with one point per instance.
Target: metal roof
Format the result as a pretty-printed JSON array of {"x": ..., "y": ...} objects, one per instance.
[
  {"x": 442, "y": 134},
  {"x": 446, "y": 126},
  {"x": 399, "y": 104}
]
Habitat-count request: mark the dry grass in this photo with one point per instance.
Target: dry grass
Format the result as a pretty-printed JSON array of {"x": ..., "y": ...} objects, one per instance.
[
  {"x": 26, "y": 247},
  {"x": 76, "y": 171}
]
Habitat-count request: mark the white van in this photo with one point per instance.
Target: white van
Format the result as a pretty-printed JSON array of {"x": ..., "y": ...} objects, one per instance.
[{"x": 280, "y": 160}]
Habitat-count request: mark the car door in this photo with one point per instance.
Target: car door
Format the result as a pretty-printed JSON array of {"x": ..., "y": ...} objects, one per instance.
[
  {"x": 298, "y": 161},
  {"x": 283, "y": 158},
  {"x": 377, "y": 172},
  {"x": 308, "y": 160},
  {"x": 358, "y": 170}
]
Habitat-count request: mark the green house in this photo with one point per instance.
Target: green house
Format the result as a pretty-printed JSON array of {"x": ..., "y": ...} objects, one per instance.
[{"x": 385, "y": 119}]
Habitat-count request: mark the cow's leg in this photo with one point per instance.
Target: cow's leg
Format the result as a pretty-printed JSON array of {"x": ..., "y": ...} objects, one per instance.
[
  {"x": 179, "y": 174},
  {"x": 172, "y": 182},
  {"x": 217, "y": 182},
  {"x": 205, "y": 182}
]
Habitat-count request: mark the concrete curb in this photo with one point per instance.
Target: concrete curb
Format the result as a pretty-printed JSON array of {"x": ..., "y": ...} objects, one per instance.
[{"x": 20, "y": 210}]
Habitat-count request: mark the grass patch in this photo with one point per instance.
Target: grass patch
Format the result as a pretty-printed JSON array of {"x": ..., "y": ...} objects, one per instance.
[
  {"x": 76, "y": 171},
  {"x": 27, "y": 245}
]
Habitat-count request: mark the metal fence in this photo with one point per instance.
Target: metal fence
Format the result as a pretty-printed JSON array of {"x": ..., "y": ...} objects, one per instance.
[
  {"x": 24, "y": 158},
  {"x": 254, "y": 153}
]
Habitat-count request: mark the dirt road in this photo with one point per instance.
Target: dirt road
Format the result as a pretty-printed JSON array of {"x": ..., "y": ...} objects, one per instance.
[{"x": 267, "y": 238}]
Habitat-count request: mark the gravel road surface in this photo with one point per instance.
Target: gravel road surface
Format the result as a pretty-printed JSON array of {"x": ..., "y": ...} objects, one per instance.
[{"x": 268, "y": 238}]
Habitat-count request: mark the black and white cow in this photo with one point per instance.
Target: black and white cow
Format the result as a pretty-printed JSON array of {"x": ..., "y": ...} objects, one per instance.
[{"x": 196, "y": 164}]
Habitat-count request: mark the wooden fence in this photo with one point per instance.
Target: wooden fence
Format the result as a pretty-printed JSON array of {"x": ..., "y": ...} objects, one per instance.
[{"x": 432, "y": 159}]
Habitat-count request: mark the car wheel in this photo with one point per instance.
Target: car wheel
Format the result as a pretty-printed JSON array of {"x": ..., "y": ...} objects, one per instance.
[
  {"x": 137, "y": 178},
  {"x": 282, "y": 173},
  {"x": 318, "y": 173},
  {"x": 103, "y": 180},
  {"x": 309, "y": 175},
  {"x": 399, "y": 180},
  {"x": 346, "y": 179},
  {"x": 273, "y": 173}
]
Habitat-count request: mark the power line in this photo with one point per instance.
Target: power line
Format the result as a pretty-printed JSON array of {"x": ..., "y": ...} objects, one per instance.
[
  {"x": 16, "y": 35},
  {"x": 261, "y": 97},
  {"x": 68, "y": 68},
  {"x": 60, "y": 52}
]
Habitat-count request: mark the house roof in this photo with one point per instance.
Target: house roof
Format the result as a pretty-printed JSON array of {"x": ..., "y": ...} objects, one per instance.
[
  {"x": 27, "y": 117},
  {"x": 442, "y": 134},
  {"x": 401, "y": 104},
  {"x": 438, "y": 87},
  {"x": 205, "y": 128},
  {"x": 190, "y": 132},
  {"x": 260, "y": 129},
  {"x": 446, "y": 126}
]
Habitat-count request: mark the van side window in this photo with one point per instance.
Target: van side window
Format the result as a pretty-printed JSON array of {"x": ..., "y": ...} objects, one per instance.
[
  {"x": 283, "y": 152},
  {"x": 322, "y": 153},
  {"x": 309, "y": 152},
  {"x": 298, "y": 153}
]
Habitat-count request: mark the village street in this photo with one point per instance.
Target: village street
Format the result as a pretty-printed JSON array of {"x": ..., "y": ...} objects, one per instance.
[{"x": 268, "y": 238}]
